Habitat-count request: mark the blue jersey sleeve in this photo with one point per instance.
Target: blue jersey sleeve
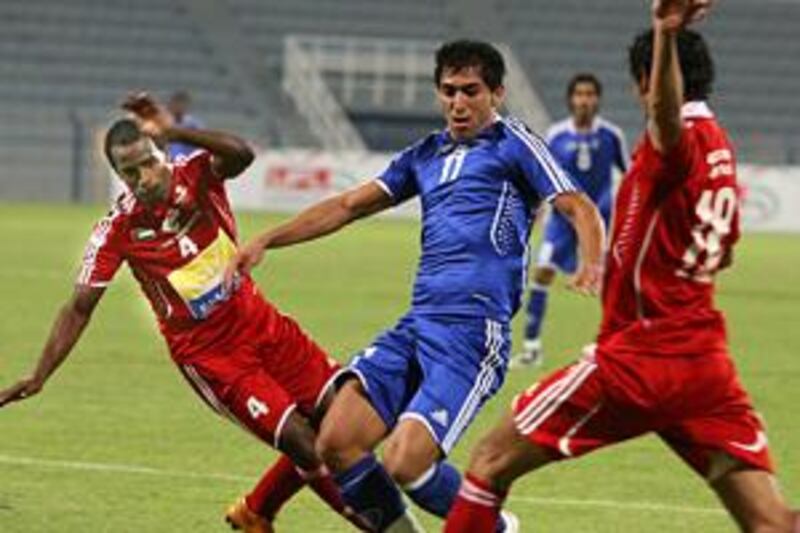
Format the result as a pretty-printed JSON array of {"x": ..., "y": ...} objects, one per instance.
[
  {"x": 539, "y": 169},
  {"x": 621, "y": 156},
  {"x": 398, "y": 180}
]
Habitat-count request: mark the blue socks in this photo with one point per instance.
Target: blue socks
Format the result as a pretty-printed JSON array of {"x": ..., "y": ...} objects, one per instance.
[
  {"x": 537, "y": 306},
  {"x": 371, "y": 493},
  {"x": 436, "y": 490}
]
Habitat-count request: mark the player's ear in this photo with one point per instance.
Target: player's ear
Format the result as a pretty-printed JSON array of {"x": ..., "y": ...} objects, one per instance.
[
  {"x": 498, "y": 95},
  {"x": 644, "y": 84}
]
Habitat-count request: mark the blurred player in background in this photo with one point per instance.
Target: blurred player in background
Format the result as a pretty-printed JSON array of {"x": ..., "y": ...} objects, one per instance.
[
  {"x": 422, "y": 382},
  {"x": 178, "y": 106},
  {"x": 661, "y": 363},
  {"x": 175, "y": 229},
  {"x": 589, "y": 148}
]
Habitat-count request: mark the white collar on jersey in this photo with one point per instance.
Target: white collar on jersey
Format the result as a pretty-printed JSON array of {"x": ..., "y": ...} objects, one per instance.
[
  {"x": 696, "y": 109},
  {"x": 568, "y": 124},
  {"x": 593, "y": 127}
]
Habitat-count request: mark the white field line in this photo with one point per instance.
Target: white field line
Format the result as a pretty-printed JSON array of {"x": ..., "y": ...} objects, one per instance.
[
  {"x": 620, "y": 505},
  {"x": 53, "y": 464},
  {"x": 115, "y": 468}
]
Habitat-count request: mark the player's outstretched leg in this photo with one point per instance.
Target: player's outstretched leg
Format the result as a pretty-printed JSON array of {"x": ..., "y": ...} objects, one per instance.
[
  {"x": 349, "y": 432},
  {"x": 500, "y": 457},
  {"x": 298, "y": 440},
  {"x": 413, "y": 459},
  {"x": 532, "y": 353},
  {"x": 300, "y": 466},
  {"x": 754, "y": 500}
]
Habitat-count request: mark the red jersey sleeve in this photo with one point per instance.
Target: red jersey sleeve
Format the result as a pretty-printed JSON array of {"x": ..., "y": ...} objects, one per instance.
[
  {"x": 198, "y": 167},
  {"x": 102, "y": 256},
  {"x": 677, "y": 163},
  {"x": 197, "y": 173}
]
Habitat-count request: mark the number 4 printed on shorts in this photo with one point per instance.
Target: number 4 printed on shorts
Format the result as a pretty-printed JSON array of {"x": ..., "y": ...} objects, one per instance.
[{"x": 256, "y": 407}]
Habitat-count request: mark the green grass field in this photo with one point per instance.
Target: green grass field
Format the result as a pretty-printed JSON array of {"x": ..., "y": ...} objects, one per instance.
[{"x": 118, "y": 442}]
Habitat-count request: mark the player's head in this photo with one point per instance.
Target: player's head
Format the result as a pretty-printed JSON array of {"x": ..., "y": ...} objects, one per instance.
[
  {"x": 694, "y": 57},
  {"x": 137, "y": 160},
  {"x": 584, "y": 91},
  {"x": 469, "y": 85},
  {"x": 179, "y": 104}
]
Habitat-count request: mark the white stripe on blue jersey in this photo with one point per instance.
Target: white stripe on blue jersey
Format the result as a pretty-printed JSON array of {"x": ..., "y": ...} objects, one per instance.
[{"x": 561, "y": 183}]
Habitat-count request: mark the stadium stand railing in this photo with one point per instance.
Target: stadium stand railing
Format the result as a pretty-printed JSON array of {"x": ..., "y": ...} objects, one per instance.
[
  {"x": 341, "y": 81},
  {"x": 303, "y": 79}
]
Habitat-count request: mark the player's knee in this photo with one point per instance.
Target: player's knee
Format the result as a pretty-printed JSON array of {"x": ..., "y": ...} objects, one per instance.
[
  {"x": 493, "y": 461},
  {"x": 403, "y": 464},
  {"x": 329, "y": 448},
  {"x": 485, "y": 461},
  {"x": 335, "y": 448},
  {"x": 783, "y": 521}
]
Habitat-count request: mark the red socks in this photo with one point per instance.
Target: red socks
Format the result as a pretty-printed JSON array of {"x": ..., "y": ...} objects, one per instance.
[
  {"x": 476, "y": 509},
  {"x": 279, "y": 484},
  {"x": 283, "y": 480}
]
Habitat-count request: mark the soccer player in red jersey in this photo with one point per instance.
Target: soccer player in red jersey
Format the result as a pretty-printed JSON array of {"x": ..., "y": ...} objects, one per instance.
[
  {"x": 175, "y": 229},
  {"x": 661, "y": 363}
]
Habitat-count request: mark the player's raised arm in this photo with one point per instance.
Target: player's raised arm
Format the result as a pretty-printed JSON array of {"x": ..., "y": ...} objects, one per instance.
[
  {"x": 585, "y": 218},
  {"x": 231, "y": 154},
  {"x": 665, "y": 97},
  {"x": 65, "y": 332},
  {"x": 320, "y": 219}
]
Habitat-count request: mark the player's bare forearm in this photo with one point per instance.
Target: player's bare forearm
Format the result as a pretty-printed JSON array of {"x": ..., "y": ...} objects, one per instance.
[
  {"x": 665, "y": 97},
  {"x": 64, "y": 334},
  {"x": 328, "y": 216},
  {"x": 232, "y": 155},
  {"x": 319, "y": 220},
  {"x": 588, "y": 224},
  {"x": 67, "y": 329},
  {"x": 585, "y": 218},
  {"x": 666, "y": 94}
]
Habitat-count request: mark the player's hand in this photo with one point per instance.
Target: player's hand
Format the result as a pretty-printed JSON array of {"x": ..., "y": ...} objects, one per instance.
[
  {"x": 672, "y": 15},
  {"x": 588, "y": 280},
  {"x": 21, "y": 390},
  {"x": 153, "y": 118},
  {"x": 246, "y": 258}
]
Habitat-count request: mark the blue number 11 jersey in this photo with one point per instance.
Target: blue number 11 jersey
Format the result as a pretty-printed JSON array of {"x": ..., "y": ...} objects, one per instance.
[{"x": 479, "y": 198}]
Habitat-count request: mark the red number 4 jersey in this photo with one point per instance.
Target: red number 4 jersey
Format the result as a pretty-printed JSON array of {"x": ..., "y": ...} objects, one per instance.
[
  {"x": 176, "y": 250},
  {"x": 675, "y": 223}
]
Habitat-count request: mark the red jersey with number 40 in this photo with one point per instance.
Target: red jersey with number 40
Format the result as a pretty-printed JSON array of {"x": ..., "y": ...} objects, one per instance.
[
  {"x": 177, "y": 250},
  {"x": 676, "y": 221}
]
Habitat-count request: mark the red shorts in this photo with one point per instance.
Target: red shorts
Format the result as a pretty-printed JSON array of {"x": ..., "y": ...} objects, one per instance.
[
  {"x": 695, "y": 404},
  {"x": 260, "y": 375}
]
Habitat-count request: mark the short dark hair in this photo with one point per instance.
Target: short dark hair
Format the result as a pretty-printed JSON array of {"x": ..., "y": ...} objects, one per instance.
[
  {"x": 583, "y": 77},
  {"x": 693, "y": 55},
  {"x": 123, "y": 131},
  {"x": 464, "y": 53}
]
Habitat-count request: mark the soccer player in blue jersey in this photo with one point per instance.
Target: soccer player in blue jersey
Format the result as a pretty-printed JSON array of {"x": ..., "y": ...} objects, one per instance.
[
  {"x": 420, "y": 384},
  {"x": 589, "y": 148}
]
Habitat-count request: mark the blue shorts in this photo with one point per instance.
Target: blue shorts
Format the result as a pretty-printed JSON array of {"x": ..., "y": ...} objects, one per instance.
[
  {"x": 439, "y": 371},
  {"x": 559, "y": 247}
]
